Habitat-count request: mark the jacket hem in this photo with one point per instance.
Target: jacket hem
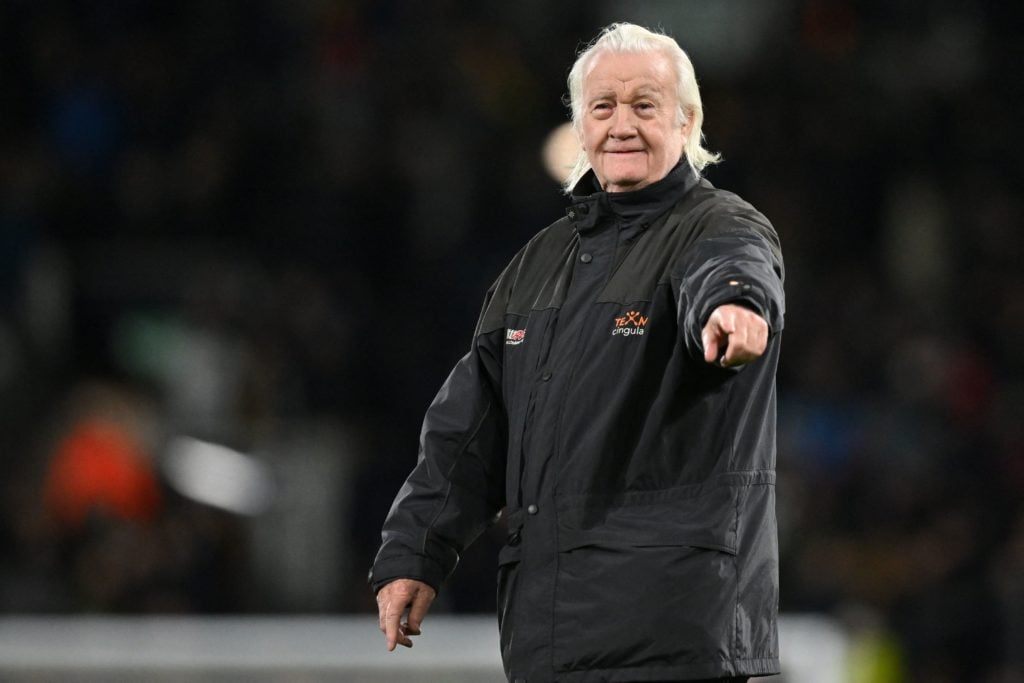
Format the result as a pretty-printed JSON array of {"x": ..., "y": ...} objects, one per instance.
[{"x": 735, "y": 667}]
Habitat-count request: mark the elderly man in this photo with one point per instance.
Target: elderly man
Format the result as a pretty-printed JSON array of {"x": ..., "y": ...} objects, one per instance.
[{"x": 618, "y": 402}]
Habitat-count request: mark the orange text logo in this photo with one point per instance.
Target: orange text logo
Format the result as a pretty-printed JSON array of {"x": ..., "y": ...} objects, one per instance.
[{"x": 632, "y": 322}]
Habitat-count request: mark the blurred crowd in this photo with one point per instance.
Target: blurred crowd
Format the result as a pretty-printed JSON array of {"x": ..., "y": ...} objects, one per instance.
[{"x": 268, "y": 226}]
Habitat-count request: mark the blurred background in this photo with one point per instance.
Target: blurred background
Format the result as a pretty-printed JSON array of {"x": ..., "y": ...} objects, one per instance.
[{"x": 242, "y": 244}]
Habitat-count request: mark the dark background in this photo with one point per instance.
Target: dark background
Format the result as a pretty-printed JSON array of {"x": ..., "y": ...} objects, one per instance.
[{"x": 269, "y": 225}]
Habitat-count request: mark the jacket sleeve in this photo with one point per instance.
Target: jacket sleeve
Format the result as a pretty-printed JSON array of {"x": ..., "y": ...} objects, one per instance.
[
  {"x": 457, "y": 487},
  {"x": 736, "y": 260}
]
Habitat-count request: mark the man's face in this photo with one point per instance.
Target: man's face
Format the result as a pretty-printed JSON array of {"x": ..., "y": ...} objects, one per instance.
[{"x": 631, "y": 129}]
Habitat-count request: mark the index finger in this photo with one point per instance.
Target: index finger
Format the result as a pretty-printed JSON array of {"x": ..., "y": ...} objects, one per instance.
[
  {"x": 392, "y": 600},
  {"x": 390, "y": 615}
]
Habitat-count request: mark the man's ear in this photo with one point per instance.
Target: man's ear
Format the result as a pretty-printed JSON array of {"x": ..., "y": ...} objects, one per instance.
[{"x": 686, "y": 124}]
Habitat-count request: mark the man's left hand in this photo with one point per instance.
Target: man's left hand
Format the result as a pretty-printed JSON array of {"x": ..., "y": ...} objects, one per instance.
[{"x": 742, "y": 334}]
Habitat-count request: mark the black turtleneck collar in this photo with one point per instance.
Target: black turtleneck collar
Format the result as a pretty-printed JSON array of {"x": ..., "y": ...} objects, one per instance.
[{"x": 639, "y": 205}]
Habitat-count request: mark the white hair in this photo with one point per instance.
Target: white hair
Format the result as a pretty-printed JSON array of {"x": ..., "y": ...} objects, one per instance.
[{"x": 630, "y": 38}]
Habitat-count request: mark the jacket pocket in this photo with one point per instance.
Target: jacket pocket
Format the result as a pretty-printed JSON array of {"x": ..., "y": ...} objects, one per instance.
[
  {"x": 648, "y": 585},
  {"x": 508, "y": 564},
  {"x": 699, "y": 516},
  {"x": 508, "y": 570},
  {"x": 508, "y": 575}
]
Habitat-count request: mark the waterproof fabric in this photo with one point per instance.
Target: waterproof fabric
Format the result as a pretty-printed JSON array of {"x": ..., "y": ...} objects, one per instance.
[{"x": 636, "y": 480}]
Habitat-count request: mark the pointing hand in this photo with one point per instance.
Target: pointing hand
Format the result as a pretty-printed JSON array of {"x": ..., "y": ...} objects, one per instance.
[{"x": 734, "y": 335}]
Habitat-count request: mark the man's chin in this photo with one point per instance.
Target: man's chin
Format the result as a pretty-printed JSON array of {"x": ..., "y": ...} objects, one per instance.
[{"x": 625, "y": 184}]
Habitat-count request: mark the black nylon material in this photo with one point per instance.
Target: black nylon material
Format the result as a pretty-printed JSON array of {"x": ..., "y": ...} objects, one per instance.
[{"x": 638, "y": 480}]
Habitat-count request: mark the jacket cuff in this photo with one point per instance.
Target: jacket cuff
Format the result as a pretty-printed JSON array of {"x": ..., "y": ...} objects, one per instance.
[
  {"x": 418, "y": 567},
  {"x": 735, "y": 291}
]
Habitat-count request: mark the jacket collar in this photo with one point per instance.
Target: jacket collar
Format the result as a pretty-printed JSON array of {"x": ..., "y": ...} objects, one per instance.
[{"x": 639, "y": 206}]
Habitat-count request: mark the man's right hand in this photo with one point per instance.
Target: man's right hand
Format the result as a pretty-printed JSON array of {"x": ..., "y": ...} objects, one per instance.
[{"x": 393, "y": 600}]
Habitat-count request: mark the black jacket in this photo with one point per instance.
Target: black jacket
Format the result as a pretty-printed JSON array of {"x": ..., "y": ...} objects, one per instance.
[{"x": 636, "y": 479}]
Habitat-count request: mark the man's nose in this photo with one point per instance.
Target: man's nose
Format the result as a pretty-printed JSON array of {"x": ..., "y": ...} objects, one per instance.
[{"x": 623, "y": 122}]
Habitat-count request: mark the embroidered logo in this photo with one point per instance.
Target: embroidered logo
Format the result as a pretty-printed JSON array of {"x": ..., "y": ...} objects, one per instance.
[
  {"x": 631, "y": 323},
  {"x": 514, "y": 337}
]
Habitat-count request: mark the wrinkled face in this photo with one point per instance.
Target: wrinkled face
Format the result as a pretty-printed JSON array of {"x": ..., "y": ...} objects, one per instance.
[{"x": 630, "y": 125}]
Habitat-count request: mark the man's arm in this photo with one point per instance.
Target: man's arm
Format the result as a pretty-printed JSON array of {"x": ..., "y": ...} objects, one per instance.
[
  {"x": 454, "y": 492},
  {"x": 731, "y": 295}
]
